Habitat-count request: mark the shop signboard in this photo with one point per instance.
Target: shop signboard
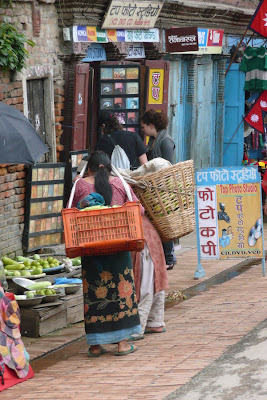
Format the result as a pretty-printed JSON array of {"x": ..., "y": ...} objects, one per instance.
[
  {"x": 209, "y": 42},
  {"x": 229, "y": 213},
  {"x": 181, "y": 39},
  {"x": 155, "y": 89},
  {"x": 132, "y": 15},
  {"x": 92, "y": 34},
  {"x": 95, "y": 52},
  {"x": 136, "y": 50}
]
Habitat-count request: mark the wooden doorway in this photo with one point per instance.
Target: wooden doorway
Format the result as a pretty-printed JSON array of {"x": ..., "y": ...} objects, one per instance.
[{"x": 36, "y": 109}]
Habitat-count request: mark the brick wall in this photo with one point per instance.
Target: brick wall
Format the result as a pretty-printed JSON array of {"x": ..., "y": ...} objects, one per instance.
[
  {"x": 11, "y": 91},
  {"x": 39, "y": 22},
  {"x": 12, "y": 201},
  {"x": 48, "y": 40}
]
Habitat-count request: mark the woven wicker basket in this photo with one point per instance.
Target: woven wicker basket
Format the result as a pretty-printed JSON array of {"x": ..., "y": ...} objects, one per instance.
[{"x": 169, "y": 199}]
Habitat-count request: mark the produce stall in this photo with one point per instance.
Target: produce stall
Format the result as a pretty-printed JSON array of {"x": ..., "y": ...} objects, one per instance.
[
  {"x": 47, "y": 317},
  {"x": 48, "y": 291}
]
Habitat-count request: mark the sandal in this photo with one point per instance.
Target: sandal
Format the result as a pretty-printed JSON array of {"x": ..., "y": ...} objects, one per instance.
[
  {"x": 148, "y": 331},
  {"x": 169, "y": 266},
  {"x": 136, "y": 337},
  {"x": 102, "y": 351},
  {"x": 124, "y": 353}
]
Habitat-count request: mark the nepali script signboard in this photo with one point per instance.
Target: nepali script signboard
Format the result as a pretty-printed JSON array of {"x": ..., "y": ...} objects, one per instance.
[
  {"x": 181, "y": 39},
  {"x": 229, "y": 213},
  {"x": 132, "y": 15}
]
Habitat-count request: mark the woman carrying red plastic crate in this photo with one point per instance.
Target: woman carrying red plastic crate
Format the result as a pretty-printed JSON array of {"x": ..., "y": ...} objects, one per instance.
[{"x": 110, "y": 303}]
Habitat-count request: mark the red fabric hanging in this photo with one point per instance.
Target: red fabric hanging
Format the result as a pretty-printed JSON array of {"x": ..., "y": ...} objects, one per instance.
[
  {"x": 264, "y": 182},
  {"x": 258, "y": 22},
  {"x": 255, "y": 118},
  {"x": 11, "y": 378}
]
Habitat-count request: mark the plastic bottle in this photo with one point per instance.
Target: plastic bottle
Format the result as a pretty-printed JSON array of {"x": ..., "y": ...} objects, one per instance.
[{"x": 3, "y": 280}]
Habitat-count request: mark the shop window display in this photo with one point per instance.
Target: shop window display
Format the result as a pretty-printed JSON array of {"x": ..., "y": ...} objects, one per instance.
[
  {"x": 120, "y": 93},
  {"x": 44, "y": 202}
]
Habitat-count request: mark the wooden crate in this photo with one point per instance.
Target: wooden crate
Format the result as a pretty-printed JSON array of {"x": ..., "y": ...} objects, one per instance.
[
  {"x": 74, "y": 307},
  {"x": 39, "y": 321}
]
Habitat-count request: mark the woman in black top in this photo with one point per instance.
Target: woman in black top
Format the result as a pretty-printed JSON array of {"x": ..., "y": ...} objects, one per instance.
[
  {"x": 154, "y": 124},
  {"x": 130, "y": 142}
]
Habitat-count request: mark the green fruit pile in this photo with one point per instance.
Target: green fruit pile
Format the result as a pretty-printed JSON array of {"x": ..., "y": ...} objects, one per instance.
[
  {"x": 45, "y": 292},
  {"x": 23, "y": 266}
]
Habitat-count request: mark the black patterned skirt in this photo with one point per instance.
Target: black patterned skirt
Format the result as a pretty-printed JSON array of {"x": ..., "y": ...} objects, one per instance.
[{"x": 110, "y": 303}]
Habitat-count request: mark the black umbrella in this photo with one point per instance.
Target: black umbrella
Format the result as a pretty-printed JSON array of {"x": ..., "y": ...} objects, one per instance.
[{"x": 19, "y": 141}]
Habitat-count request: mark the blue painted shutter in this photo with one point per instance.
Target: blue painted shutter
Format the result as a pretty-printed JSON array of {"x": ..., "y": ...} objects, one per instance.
[{"x": 234, "y": 111}]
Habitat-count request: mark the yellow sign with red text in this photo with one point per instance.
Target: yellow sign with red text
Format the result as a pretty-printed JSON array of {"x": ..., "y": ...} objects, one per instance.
[{"x": 156, "y": 85}]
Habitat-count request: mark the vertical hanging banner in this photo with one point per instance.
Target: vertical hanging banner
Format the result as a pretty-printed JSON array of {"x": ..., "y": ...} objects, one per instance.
[
  {"x": 156, "y": 80},
  {"x": 229, "y": 212}
]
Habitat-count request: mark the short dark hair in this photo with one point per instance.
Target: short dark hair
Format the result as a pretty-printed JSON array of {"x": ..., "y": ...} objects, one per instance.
[
  {"x": 110, "y": 121},
  {"x": 159, "y": 119}
]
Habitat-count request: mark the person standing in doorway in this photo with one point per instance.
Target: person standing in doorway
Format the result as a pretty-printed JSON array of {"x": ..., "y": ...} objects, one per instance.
[
  {"x": 154, "y": 124},
  {"x": 130, "y": 142}
]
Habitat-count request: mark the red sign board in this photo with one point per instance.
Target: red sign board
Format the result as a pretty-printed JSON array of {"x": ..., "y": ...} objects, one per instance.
[
  {"x": 181, "y": 39},
  {"x": 215, "y": 37}
]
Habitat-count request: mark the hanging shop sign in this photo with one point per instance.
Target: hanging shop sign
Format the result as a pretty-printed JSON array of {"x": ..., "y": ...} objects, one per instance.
[
  {"x": 93, "y": 34},
  {"x": 229, "y": 213},
  {"x": 209, "y": 42},
  {"x": 156, "y": 83},
  {"x": 137, "y": 14},
  {"x": 181, "y": 39},
  {"x": 95, "y": 52},
  {"x": 136, "y": 50}
]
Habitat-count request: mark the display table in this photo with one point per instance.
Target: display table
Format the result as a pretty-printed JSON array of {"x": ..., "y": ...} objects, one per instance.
[{"x": 48, "y": 317}]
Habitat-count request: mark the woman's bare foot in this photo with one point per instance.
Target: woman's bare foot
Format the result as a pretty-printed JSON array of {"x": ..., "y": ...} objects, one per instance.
[
  {"x": 124, "y": 346},
  {"x": 96, "y": 349}
]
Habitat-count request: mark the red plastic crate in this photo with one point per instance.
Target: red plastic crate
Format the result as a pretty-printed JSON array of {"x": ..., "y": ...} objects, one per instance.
[{"x": 103, "y": 231}]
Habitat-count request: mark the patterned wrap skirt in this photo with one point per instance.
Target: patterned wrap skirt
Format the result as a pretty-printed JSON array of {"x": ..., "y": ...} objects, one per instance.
[{"x": 110, "y": 303}]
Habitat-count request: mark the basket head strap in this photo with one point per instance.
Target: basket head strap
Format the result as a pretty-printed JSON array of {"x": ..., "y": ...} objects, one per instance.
[
  {"x": 72, "y": 194},
  {"x": 125, "y": 184},
  {"x": 74, "y": 186}
]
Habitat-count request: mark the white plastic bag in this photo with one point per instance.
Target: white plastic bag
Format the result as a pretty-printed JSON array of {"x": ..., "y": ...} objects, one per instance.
[{"x": 119, "y": 158}]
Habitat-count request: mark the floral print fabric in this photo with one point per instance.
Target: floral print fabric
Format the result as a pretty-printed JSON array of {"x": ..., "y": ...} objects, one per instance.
[{"x": 110, "y": 302}]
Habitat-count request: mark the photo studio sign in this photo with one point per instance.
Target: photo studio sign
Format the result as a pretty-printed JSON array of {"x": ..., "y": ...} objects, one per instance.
[
  {"x": 229, "y": 213},
  {"x": 132, "y": 15}
]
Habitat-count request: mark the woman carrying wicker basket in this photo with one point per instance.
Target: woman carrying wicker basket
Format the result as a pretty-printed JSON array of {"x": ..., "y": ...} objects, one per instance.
[
  {"x": 110, "y": 303},
  {"x": 160, "y": 144}
]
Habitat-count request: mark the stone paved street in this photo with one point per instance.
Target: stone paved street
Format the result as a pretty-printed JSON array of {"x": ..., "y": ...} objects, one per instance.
[{"x": 199, "y": 330}]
